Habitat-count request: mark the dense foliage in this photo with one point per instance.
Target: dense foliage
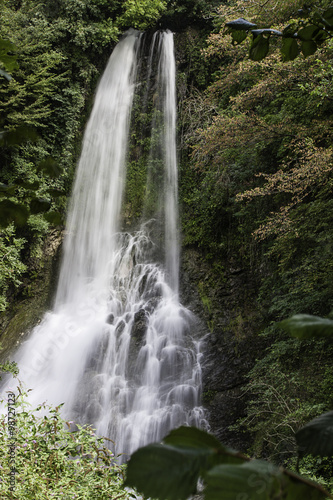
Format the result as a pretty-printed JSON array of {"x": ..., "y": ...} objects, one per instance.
[
  {"x": 50, "y": 461},
  {"x": 256, "y": 194}
]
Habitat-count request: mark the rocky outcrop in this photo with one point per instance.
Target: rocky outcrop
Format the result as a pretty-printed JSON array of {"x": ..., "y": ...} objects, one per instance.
[
  {"x": 34, "y": 296},
  {"x": 225, "y": 298},
  {"x": 140, "y": 325}
]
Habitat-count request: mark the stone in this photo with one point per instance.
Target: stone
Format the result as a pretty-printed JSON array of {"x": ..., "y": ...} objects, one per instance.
[{"x": 140, "y": 324}]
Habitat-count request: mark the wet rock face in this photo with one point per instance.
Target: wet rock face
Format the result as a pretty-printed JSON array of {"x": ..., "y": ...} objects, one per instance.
[
  {"x": 33, "y": 298},
  {"x": 140, "y": 325},
  {"x": 226, "y": 302},
  {"x": 110, "y": 319}
]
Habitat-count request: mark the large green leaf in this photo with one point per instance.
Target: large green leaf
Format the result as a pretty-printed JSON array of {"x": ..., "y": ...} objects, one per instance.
[
  {"x": 211, "y": 451},
  {"x": 253, "y": 480},
  {"x": 289, "y": 49},
  {"x": 17, "y": 136},
  {"x": 238, "y": 36},
  {"x": 308, "y": 33},
  {"x": 49, "y": 167},
  {"x": 164, "y": 472},
  {"x": 193, "y": 437},
  {"x": 328, "y": 17},
  {"x": 259, "y": 48},
  {"x": 306, "y": 326},
  {"x": 316, "y": 437},
  {"x": 258, "y": 480},
  {"x": 308, "y": 48},
  {"x": 171, "y": 470},
  {"x": 38, "y": 205},
  {"x": 54, "y": 218},
  {"x": 12, "y": 212},
  {"x": 8, "y": 54}
]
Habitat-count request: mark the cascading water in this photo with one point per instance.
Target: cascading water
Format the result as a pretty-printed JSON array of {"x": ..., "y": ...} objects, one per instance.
[
  {"x": 167, "y": 72},
  {"x": 117, "y": 348}
]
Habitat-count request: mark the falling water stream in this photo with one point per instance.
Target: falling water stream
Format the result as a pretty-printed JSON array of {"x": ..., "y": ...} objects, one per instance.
[{"x": 117, "y": 347}]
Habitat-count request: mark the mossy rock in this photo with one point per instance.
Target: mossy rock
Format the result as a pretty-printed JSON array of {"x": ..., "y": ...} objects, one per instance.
[
  {"x": 28, "y": 314},
  {"x": 28, "y": 308}
]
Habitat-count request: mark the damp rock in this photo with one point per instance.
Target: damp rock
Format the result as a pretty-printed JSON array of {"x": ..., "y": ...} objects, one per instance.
[
  {"x": 143, "y": 283},
  {"x": 140, "y": 324},
  {"x": 152, "y": 304},
  {"x": 120, "y": 326},
  {"x": 93, "y": 412},
  {"x": 110, "y": 319}
]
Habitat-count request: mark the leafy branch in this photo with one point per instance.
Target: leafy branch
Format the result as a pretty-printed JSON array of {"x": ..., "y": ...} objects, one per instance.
[
  {"x": 171, "y": 470},
  {"x": 304, "y": 36}
]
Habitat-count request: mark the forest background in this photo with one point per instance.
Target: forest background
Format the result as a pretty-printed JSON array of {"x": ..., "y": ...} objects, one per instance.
[{"x": 255, "y": 155}]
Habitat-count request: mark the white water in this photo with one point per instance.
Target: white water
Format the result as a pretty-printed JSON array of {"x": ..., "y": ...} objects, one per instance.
[
  {"x": 96, "y": 200},
  {"x": 167, "y": 74},
  {"x": 117, "y": 347}
]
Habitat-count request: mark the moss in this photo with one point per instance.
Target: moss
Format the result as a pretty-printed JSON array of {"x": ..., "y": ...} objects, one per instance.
[
  {"x": 208, "y": 395},
  {"x": 26, "y": 315},
  {"x": 33, "y": 299},
  {"x": 207, "y": 303}
]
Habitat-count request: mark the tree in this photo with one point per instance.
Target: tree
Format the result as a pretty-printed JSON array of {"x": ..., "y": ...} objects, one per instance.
[{"x": 142, "y": 14}]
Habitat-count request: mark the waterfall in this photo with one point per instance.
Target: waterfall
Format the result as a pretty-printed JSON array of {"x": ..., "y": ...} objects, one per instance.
[
  {"x": 167, "y": 72},
  {"x": 117, "y": 347},
  {"x": 96, "y": 200}
]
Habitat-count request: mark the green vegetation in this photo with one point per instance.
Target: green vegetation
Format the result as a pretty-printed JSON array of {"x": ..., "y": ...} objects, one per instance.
[
  {"x": 256, "y": 190},
  {"x": 11, "y": 267},
  {"x": 53, "y": 458},
  {"x": 312, "y": 30},
  {"x": 143, "y": 14},
  {"x": 51, "y": 55},
  {"x": 171, "y": 470}
]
